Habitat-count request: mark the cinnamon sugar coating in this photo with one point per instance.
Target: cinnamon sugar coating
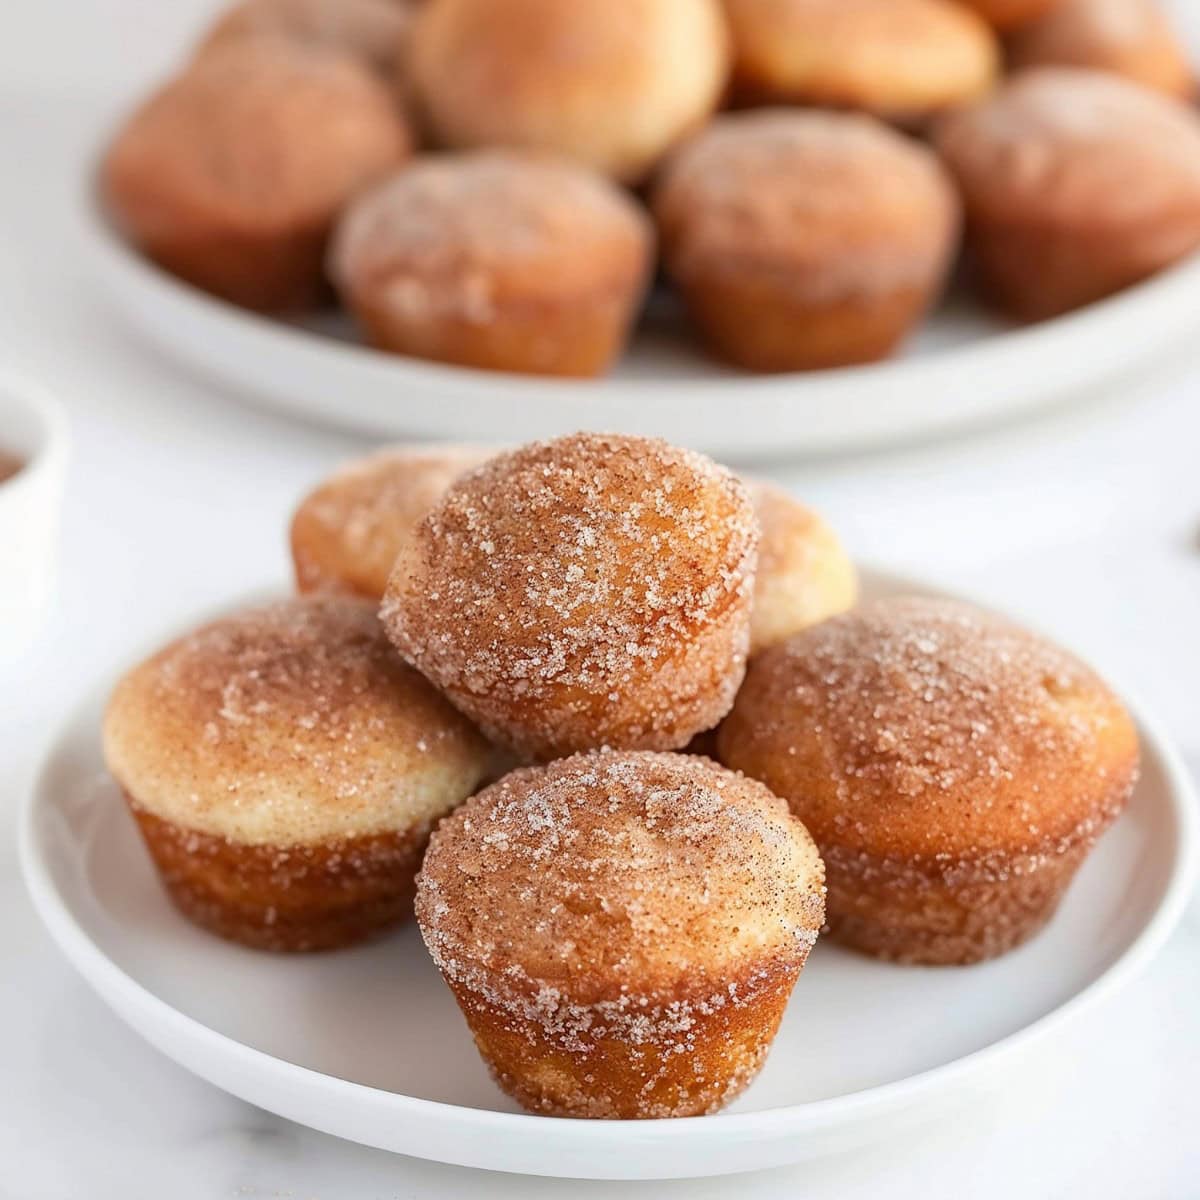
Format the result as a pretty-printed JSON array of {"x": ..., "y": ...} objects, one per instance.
[
  {"x": 289, "y": 724},
  {"x": 622, "y": 929},
  {"x": 948, "y": 764},
  {"x": 372, "y": 30},
  {"x": 589, "y": 591},
  {"x": 1133, "y": 38},
  {"x": 347, "y": 532},
  {"x": 1044, "y": 166},
  {"x": 496, "y": 259},
  {"x": 612, "y": 86},
  {"x": 804, "y": 574},
  {"x": 901, "y": 59},
  {"x": 231, "y": 175},
  {"x": 1007, "y": 15},
  {"x": 805, "y": 239}
]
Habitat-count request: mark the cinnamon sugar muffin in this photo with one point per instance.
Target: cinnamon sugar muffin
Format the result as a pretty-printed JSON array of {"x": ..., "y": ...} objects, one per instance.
[
  {"x": 804, "y": 573},
  {"x": 497, "y": 260},
  {"x": 584, "y": 592},
  {"x": 285, "y": 769},
  {"x": 954, "y": 769},
  {"x": 372, "y": 30},
  {"x": 622, "y": 931},
  {"x": 900, "y": 59},
  {"x": 611, "y": 85},
  {"x": 1045, "y": 167},
  {"x": 805, "y": 239},
  {"x": 348, "y": 532},
  {"x": 231, "y": 175},
  {"x": 1133, "y": 38},
  {"x": 1007, "y": 15}
]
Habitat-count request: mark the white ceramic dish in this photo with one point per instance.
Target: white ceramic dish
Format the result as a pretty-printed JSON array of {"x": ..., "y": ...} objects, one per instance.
[
  {"x": 367, "y": 1043},
  {"x": 964, "y": 369},
  {"x": 33, "y": 427}
]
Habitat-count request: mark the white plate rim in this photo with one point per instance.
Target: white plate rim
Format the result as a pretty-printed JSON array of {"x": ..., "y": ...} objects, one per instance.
[
  {"x": 126, "y": 995},
  {"x": 896, "y": 401}
]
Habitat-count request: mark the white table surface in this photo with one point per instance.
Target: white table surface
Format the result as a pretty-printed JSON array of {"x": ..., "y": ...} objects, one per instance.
[{"x": 1087, "y": 520}]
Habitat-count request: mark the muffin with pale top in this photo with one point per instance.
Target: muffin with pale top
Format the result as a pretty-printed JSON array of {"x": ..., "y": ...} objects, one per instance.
[{"x": 285, "y": 769}]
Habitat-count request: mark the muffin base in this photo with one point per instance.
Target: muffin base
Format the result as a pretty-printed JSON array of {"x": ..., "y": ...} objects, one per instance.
[
  {"x": 645, "y": 1066},
  {"x": 1035, "y": 272},
  {"x": 763, "y": 325},
  {"x": 944, "y": 916},
  {"x": 580, "y": 336},
  {"x": 287, "y": 898}
]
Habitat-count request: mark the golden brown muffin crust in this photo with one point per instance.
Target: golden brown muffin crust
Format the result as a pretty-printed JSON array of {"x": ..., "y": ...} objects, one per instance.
[
  {"x": 836, "y": 203},
  {"x": 463, "y": 236},
  {"x": 927, "y": 731},
  {"x": 289, "y": 724},
  {"x": 592, "y": 590},
  {"x": 347, "y": 532},
  {"x": 618, "y": 884},
  {"x": 901, "y": 58}
]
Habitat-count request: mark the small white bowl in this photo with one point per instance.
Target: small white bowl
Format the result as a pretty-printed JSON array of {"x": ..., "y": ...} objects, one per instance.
[{"x": 34, "y": 428}]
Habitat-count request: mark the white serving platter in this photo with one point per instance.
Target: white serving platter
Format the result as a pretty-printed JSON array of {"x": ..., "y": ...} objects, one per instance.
[{"x": 367, "y": 1043}]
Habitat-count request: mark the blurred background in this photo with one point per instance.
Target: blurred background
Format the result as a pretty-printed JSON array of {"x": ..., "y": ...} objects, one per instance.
[{"x": 1085, "y": 520}]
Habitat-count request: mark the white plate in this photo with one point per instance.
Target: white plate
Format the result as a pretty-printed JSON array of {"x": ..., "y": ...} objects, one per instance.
[
  {"x": 965, "y": 368},
  {"x": 368, "y": 1044}
]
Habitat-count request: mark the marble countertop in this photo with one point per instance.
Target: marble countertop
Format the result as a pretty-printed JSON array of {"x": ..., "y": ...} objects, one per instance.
[{"x": 1087, "y": 520}]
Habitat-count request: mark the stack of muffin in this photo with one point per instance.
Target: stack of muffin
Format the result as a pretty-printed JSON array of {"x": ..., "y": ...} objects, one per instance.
[
  {"x": 492, "y": 182},
  {"x": 610, "y": 718}
]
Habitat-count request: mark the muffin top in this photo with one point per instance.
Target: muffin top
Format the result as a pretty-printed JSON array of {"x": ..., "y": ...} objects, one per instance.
[
  {"x": 455, "y": 233},
  {"x": 256, "y": 133},
  {"x": 568, "y": 568},
  {"x": 289, "y": 724},
  {"x": 648, "y": 884},
  {"x": 373, "y": 30},
  {"x": 926, "y": 728},
  {"x": 840, "y": 197},
  {"x": 1064, "y": 143},
  {"x": 347, "y": 532},
  {"x": 897, "y": 57}
]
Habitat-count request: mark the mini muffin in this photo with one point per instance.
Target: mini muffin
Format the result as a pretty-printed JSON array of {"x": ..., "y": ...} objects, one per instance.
[
  {"x": 348, "y": 532},
  {"x": 1007, "y": 15},
  {"x": 613, "y": 86},
  {"x": 804, "y": 573},
  {"x": 498, "y": 260},
  {"x": 954, "y": 769},
  {"x": 231, "y": 176},
  {"x": 1076, "y": 184},
  {"x": 622, "y": 931},
  {"x": 1133, "y": 38},
  {"x": 901, "y": 59},
  {"x": 285, "y": 769},
  {"x": 371, "y": 30},
  {"x": 586, "y": 592},
  {"x": 805, "y": 239}
]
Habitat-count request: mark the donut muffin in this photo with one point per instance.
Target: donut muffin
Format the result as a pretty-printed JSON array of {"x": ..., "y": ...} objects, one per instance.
[
  {"x": 585, "y": 592},
  {"x": 900, "y": 59},
  {"x": 372, "y": 30},
  {"x": 285, "y": 769},
  {"x": 498, "y": 260},
  {"x": 954, "y": 769},
  {"x": 612, "y": 86},
  {"x": 804, "y": 573},
  {"x": 622, "y": 931},
  {"x": 1007, "y": 15},
  {"x": 347, "y": 533},
  {"x": 232, "y": 174},
  {"x": 1076, "y": 184},
  {"x": 1133, "y": 38},
  {"x": 805, "y": 239}
]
